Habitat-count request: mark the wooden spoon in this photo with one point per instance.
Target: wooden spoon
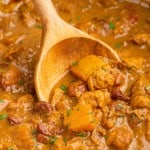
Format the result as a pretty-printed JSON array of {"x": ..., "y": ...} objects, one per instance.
[{"x": 61, "y": 45}]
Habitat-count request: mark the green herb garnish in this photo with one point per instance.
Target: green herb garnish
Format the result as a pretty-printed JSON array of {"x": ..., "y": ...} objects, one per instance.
[
  {"x": 65, "y": 141},
  {"x": 112, "y": 25},
  {"x": 106, "y": 137},
  {"x": 78, "y": 17},
  {"x": 20, "y": 82},
  {"x": 74, "y": 63},
  {"x": 34, "y": 132},
  {"x": 63, "y": 87},
  {"x": 118, "y": 45},
  {"x": 82, "y": 134},
  {"x": 117, "y": 18},
  {"x": 121, "y": 115},
  {"x": 90, "y": 113},
  {"x": 131, "y": 67},
  {"x": 10, "y": 148},
  {"x": 68, "y": 112},
  {"x": 93, "y": 121},
  {"x": 52, "y": 140},
  {"x": 148, "y": 88},
  {"x": 2, "y": 101},
  {"x": 38, "y": 26},
  {"x": 67, "y": 126},
  {"x": 3, "y": 116},
  {"x": 70, "y": 20}
]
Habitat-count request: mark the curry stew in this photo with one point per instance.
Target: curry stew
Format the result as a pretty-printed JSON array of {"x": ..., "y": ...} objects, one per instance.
[{"x": 100, "y": 103}]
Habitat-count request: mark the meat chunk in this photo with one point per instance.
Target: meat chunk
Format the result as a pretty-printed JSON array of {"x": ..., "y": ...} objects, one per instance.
[
  {"x": 11, "y": 40},
  {"x": 10, "y": 76},
  {"x": 140, "y": 86},
  {"x": 85, "y": 66},
  {"x": 86, "y": 120},
  {"x": 135, "y": 62},
  {"x": 142, "y": 38},
  {"x": 109, "y": 117},
  {"x": 15, "y": 120},
  {"x": 137, "y": 116},
  {"x": 10, "y": 7},
  {"x": 140, "y": 101},
  {"x": 52, "y": 126},
  {"x": 42, "y": 138},
  {"x": 120, "y": 137},
  {"x": 27, "y": 13},
  {"x": 119, "y": 106},
  {"x": 76, "y": 88},
  {"x": 55, "y": 118},
  {"x": 60, "y": 100},
  {"x": 23, "y": 104},
  {"x": 148, "y": 129},
  {"x": 95, "y": 98},
  {"x": 48, "y": 129},
  {"x": 103, "y": 78},
  {"x": 64, "y": 104},
  {"x": 140, "y": 96},
  {"x": 117, "y": 94},
  {"x": 43, "y": 107},
  {"x": 108, "y": 3}
]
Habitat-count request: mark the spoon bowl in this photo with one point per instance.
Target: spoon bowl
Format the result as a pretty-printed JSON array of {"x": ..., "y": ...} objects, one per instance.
[{"x": 61, "y": 45}]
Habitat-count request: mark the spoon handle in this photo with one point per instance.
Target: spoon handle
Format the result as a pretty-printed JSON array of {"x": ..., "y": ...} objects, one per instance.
[
  {"x": 46, "y": 11},
  {"x": 55, "y": 29}
]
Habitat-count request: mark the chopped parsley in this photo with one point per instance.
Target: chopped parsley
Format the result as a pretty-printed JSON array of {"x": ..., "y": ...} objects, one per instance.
[
  {"x": 68, "y": 112},
  {"x": 67, "y": 126},
  {"x": 70, "y": 20},
  {"x": 78, "y": 17},
  {"x": 74, "y": 63},
  {"x": 3, "y": 116},
  {"x": 63, "y": 87},
  {"x": 90, "y": 113},
  {"x": 93, "y": 121},
  {"x": 148, "y": 88},
  {"x": 117, "y": 18},
  {"x": 20, "y": 82},
  {"x": 122, "y": 115},
  {"x": 82, "y": 134},
  {"x": 118, "y": 45},
  {"x": 65, "y": 141},
  {"x": 10, "y": 148},
  {"x": 106, "y": 137},
  {"x": 38, "y": 26},
  {"x": 52, "y": 140},
  {"x": 111, "y": 25},
  {"x": 131, "y": 67},
  {"x": 2, "y": 101},
  {"x": 34, "y": 132}
]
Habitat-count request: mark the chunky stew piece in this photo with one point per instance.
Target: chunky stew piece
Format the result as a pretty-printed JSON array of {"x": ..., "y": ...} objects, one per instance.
[
  {"x": 100, "y": 103},
  {"x": 120, "y": 137},
  {"x": 86, "y": 119},
  {"x": 85, "y": 67}
]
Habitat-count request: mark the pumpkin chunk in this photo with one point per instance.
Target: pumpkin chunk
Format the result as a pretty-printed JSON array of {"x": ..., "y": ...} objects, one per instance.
[
  {"x": 80, "y": 118},
  {"x": 86, "y": 66}
]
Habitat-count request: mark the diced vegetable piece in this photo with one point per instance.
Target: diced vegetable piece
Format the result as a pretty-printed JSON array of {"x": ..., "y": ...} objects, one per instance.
[
  {"x": 80, "y": 118},
  {"x": 87, "y": 66},
  {"x": 140, "y": 101}
]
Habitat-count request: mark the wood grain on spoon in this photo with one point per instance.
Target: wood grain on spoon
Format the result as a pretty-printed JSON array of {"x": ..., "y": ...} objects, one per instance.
[{"x": 61, "y": 45}]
